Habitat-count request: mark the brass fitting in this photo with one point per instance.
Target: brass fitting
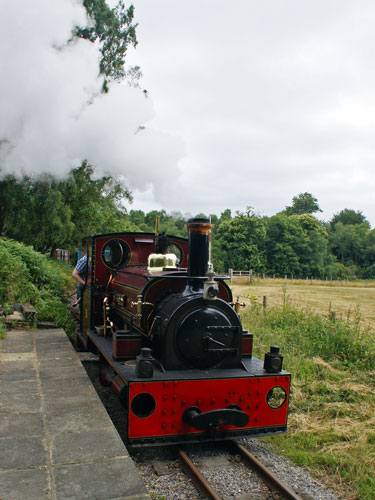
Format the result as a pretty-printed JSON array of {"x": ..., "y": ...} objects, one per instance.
[
  {"x": 237, "y": 305},
  {"x": 140, "y": 305}
]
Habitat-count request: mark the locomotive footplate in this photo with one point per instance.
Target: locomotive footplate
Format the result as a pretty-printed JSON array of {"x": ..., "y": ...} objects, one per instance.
[{"x": 198, "y": 405}]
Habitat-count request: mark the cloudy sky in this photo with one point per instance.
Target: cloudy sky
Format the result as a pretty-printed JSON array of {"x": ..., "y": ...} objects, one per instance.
[
  {"x": 271, "y": 99},
  {"x": 251, "y": 103}
]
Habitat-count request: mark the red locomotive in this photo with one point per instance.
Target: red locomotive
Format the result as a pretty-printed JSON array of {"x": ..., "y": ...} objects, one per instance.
[{"x": 171, "y": 343}]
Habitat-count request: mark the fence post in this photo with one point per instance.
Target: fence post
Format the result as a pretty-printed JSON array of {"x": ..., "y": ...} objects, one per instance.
[
  {"x": 251, "y": 276},
  {"x": 231, "y": 275},
  {"x": 264, "y": 302}
]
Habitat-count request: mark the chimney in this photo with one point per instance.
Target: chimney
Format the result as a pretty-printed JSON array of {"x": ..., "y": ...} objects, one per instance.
[{"x": 199, "y": 235}]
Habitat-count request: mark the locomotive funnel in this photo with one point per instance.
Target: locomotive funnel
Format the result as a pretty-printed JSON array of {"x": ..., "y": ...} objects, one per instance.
[{"x": 199, "y": 235}]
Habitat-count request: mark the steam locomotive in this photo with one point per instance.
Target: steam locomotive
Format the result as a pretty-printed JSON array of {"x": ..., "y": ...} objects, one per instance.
[{"x": 171, "y": 344}]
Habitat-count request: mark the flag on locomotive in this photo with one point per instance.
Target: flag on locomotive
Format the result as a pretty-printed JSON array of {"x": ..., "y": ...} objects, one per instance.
[{"x": 171, "y": 342}]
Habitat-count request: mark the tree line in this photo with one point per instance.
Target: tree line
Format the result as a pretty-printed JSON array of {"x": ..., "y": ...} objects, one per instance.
[
  {"x": 47, "y": 214},
  {"x": 298, "y": 244}
]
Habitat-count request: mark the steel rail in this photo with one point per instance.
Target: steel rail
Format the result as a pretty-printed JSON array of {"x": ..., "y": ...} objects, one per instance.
[
  {"x": 199, "y": 481},
  {"x": 271, "y": 478}
]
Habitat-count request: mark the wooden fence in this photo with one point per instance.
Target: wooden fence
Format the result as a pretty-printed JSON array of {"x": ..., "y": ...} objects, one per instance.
[
  {"x": 241, "y": 274},
  {"x": 250, "y": 276}
]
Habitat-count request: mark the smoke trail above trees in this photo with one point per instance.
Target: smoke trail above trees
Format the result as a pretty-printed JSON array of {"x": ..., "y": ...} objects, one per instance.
[{"x": 53, "y": 112}]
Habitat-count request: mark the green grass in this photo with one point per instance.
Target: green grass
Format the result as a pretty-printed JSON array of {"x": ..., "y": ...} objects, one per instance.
[
  {"x": 2, "y": 330},
  {"x": 332, "y": 408}
]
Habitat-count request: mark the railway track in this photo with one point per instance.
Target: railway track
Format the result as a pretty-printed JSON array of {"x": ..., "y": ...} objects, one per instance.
[
  {"x": 270, "y": 479},
  {"x": 220, "y": 465}
]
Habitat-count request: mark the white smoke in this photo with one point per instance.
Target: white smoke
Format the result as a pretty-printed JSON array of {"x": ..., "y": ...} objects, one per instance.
[{"x": 52, "y": 114}]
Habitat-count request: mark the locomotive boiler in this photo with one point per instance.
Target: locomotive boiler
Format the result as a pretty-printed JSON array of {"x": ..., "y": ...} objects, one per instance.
[{"x": 171, "y": 342}]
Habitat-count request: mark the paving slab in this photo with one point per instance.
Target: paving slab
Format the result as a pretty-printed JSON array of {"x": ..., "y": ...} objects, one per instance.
[
  {"x": 60, "y": 362},
  {"x": 19, "y": 387},
  {"x": 55, "y": 373},
  {"x": 13, "y": 375},
  {"x": 18, "y": 402},
  {"x": 76, "y": 418},
  {"x": 20, "y": 424},
  {"x": 56, "y": 439},
  {"x": 32, "y": 484},
  {"x": 90, "y": 445},
  {"x": 13, "y": 346},
  {"x": 22, "y": 452},
  {"x": 101, "y": 481}
]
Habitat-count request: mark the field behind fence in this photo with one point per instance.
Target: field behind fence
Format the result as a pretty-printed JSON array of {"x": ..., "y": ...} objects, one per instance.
[
  {"x": 349, "y": 300},
  {"x": 249, "y": 276}
]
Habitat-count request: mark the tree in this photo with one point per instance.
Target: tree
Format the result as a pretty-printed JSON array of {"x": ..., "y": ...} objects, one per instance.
[
  {"x": 47, "y": 213},
  {"x": 97, "y": 205},
  {"x": 114, "y": 31},
  {"x": 137, "y": 217},
  {"x": 13, "y": 203},
  {"x": 304, "y": 203},
  {"x": 349, "y": 241},
  {"x": 35, "y": 212},
  {"x": 296, "y": 245},
  {"x": 370, "y": 255},
  {"x": 241, "y": 240},
  {"x": 314, "y": 255},
  {"x": 349, "y": 216},
  {"x": 285, "y": 242}
]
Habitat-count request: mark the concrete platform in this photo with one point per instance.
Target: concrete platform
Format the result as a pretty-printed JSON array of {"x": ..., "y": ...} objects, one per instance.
[{"x": 56, "y": 439}]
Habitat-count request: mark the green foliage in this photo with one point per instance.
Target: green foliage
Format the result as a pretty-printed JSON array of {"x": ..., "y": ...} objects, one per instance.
[
  {"x": 114, "y": 31},
  {"x": 173, "y": 224},
  {"x": 349, "y": 216},
  {"x": 97, "y": 205},
  {"x": 314, "y": 254},
  {"x": 50, "y": 214},
  {"x": 349, "y": 242},
  {"x": 304, "y": 203},
  {"x": 2, "y": 330},
  {"x": 29, "y": 277},
  {"x": 242, "y": 239},
  {"x": 285, "y": 244},
  {"x": 34, "y": 212}
]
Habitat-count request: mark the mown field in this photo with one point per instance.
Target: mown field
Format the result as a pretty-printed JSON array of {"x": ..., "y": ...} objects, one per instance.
[
  {"x": 332, "y": 361},
  {"x": 346, "y": 300}
]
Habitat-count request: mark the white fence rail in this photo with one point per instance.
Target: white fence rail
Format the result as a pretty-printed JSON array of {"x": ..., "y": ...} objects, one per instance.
[{"x": 236, "y": 274}]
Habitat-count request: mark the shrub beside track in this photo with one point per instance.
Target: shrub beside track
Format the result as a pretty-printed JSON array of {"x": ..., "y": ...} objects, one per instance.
[{"x": 28, "y": 276}]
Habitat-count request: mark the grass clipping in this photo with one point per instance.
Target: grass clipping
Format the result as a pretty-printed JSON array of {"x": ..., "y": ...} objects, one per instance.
[{"x": 332, "y": 403}]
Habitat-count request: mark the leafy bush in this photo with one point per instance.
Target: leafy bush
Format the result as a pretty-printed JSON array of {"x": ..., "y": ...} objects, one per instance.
[{"x": 28, "y": 276}]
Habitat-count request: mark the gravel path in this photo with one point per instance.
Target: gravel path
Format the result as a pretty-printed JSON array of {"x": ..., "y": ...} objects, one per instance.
[{"x": 165, "y": 480}]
